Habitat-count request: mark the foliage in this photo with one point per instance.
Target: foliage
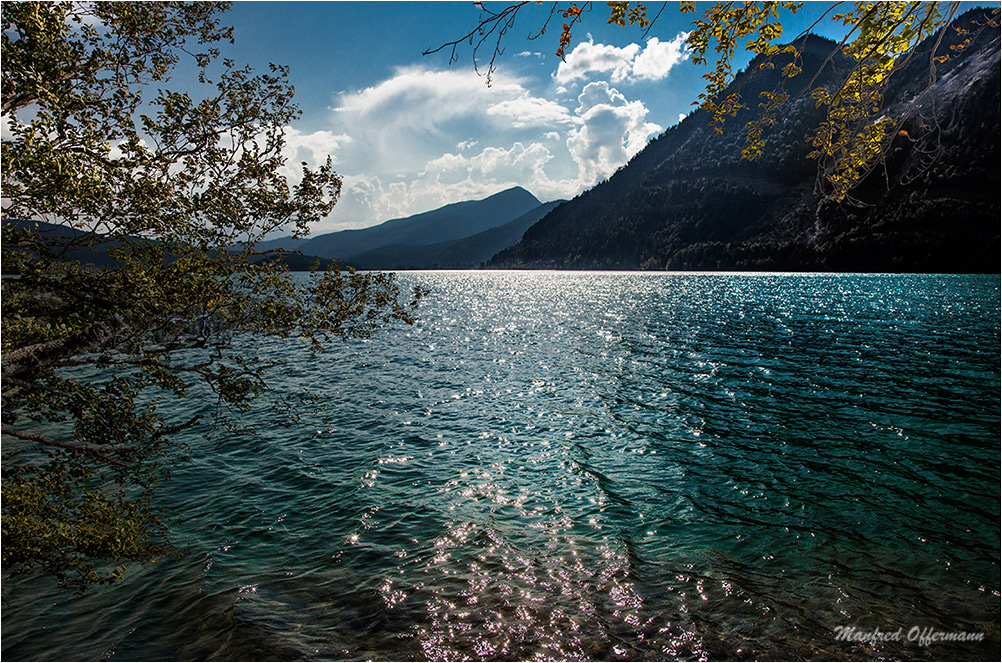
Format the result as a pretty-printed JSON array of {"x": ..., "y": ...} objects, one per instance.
[
  {"x": 852, "y": 138},
  {"x": 688, "y": 201},
  {"x": 173, "y": 189}
]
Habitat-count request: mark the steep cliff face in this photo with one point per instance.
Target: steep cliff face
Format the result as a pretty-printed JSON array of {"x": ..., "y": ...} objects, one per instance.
[{"x": 688, "y": 200}]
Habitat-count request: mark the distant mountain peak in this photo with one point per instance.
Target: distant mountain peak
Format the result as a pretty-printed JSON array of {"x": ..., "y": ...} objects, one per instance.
[
  {"x": 513, "y": 192},
  {"x": 444, "y": 224}
]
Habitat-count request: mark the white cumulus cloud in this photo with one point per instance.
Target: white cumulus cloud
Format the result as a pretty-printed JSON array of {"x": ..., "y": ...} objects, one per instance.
[
  {"x": 612, "y": 130},
  {"x": 589, "y": 57},
  {"x": 425, "y": 138},
  {"x": 529, "y": 111},
  {"x": 315, "y": 146},
  {"x": 628, "y": 63},
  {"x": 658, "y": 57},
  {"x": 398, "y": 121}
]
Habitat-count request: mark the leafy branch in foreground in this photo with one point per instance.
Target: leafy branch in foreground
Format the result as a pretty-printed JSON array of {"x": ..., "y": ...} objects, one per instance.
[
  {"x": 130, "y": 220},
  {"x": 879, "y": 39}
]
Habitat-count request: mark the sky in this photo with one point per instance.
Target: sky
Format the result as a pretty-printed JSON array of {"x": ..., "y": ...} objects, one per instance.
[{"x": 410, "y": 132}]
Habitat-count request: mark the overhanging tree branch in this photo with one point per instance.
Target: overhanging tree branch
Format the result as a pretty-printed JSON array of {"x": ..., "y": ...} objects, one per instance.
[
  {"x": 26, "y": 358},
  {"x": 101, "y": 453}
]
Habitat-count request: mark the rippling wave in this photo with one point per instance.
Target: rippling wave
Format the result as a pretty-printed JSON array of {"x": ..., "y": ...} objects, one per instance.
[{"x": 591, "y": 466}]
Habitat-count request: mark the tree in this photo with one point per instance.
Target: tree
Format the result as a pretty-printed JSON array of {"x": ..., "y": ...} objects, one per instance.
[
  {"x": 130, "y": 217},
  {"x": 879, "y": 37}
]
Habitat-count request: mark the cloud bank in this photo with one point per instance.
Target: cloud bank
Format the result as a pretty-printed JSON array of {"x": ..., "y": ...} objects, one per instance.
[
  {"x": 629, "y": 63},
  {"x": 423, "y": 137}
]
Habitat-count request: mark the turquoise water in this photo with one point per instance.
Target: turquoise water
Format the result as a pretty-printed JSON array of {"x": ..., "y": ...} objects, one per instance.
[{"x": 591, "y": 466}]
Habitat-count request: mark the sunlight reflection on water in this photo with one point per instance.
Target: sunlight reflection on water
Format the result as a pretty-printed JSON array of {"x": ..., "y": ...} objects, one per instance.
[{"x": 593, "y": 466}]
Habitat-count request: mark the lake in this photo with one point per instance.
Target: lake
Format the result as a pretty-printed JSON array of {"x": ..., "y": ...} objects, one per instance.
[{"x": 611, "y": 466}]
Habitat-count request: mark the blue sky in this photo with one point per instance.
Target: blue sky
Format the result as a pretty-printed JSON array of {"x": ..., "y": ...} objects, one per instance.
[{"x": 409, "y": 133}]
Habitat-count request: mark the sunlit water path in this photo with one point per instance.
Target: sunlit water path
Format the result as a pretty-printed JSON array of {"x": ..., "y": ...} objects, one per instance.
[{"x": 591, "y": 466}]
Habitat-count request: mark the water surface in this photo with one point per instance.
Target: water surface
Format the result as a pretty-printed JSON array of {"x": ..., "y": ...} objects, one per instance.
[{"x": 591, "y": 466}]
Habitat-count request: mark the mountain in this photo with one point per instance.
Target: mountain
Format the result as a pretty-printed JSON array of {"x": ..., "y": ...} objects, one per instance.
[
  {"x": 444, "y": 224},
  {"x": 93, "y": 249},
  {"x": 689, "y": 202},
  {"x": 288, "y": 243},
  {"x": 73, "y": 245},
  {"x": 473, "y": 231},
  {"x": 464, "y": 253}
]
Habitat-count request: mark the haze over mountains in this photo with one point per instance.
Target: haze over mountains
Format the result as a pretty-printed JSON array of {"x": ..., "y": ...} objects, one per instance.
[
  {"x": 689, "y": 202},
  {"x": 463, "y": 234}
]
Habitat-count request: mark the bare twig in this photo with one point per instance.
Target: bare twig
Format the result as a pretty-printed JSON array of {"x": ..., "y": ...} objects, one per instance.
[
  {"x": 499, "y": 22},
  {"x": 654, "y": 20}
]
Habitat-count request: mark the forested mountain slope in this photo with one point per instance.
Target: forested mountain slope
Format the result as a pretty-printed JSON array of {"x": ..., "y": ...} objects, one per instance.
[
  {"x": 444, "y": 224},
  {"x": 688, "y": 200},
  {"x": 464, "y": 253}
]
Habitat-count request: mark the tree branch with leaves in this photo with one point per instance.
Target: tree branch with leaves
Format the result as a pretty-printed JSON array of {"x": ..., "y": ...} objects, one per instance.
[
  {"x": 879, "y": 39},
  {"x": 131, "y": 213}
]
